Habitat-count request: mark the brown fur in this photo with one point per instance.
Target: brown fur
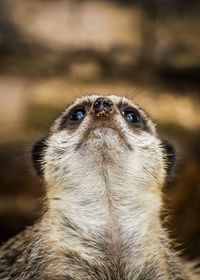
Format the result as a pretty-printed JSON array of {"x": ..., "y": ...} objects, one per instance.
[{"x": 31, "y": 255}]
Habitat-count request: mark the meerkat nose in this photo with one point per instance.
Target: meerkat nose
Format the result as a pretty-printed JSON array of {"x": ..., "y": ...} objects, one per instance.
[{"x": 103, "y": 106}]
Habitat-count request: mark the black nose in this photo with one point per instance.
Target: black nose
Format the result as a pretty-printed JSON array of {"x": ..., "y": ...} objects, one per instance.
[{"x": 103, "y": 107}]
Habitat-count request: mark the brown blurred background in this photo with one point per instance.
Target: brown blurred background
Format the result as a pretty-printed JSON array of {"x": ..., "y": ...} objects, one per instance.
[{"x": 52, "y": 51}]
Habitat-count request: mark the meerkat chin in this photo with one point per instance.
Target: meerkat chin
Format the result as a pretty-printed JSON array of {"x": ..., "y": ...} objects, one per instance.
[{"x": 104, "y": 166}]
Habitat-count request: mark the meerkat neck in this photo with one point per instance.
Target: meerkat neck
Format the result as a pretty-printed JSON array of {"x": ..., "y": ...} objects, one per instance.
[{"x": 111, "y": 211}]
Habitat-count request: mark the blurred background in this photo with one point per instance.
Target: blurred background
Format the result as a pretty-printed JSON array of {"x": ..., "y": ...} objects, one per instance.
[{"x": 52, "y": 51}]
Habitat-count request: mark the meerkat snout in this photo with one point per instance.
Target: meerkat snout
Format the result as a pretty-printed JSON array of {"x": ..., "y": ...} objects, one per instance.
[{"x": 103, "y": 107}]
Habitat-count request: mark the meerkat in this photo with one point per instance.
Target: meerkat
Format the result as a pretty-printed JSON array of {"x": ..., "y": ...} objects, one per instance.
[{"x": 104, "y": 166}]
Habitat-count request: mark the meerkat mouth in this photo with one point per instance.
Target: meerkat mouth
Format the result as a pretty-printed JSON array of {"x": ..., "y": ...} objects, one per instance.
[
  {"x": 103, "y": 130},
  {"x": 105, "y": 127}
]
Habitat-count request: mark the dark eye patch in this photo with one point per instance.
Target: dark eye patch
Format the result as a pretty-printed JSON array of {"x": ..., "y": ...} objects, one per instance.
[
  {"x": 133, "y": 116},
  {"x": 74, "y": 117},
  {"x": 77, "y": 115}
]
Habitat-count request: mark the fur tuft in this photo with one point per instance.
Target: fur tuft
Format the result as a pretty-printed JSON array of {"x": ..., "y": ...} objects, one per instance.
[{"x": 37, "y": 155}]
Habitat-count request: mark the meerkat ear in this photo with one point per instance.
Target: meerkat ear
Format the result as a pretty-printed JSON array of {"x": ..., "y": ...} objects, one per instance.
[
  {"x": 170, "y": 155},
  {"x": 37, "y": 155}
]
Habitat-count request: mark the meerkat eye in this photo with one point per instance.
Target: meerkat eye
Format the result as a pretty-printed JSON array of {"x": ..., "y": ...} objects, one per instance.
[
  {"x": 131, "y": 116},
  {"x": 77, "y": 114}
]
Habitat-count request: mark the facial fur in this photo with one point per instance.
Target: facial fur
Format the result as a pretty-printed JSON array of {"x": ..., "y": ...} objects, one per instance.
[{"x": 110, "y": 141}]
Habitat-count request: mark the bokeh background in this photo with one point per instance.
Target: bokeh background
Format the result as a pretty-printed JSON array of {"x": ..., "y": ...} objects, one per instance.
[{"x": 52, "y": 51}]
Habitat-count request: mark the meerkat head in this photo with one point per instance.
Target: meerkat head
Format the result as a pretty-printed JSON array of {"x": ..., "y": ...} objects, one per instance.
[{"x": 103, "y": 135}]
